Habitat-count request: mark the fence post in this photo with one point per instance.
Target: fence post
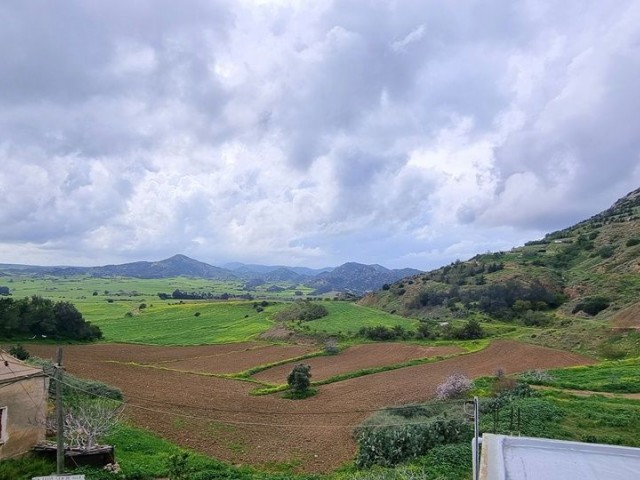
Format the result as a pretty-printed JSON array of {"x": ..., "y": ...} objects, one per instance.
[{"x": 59, "y": 415}]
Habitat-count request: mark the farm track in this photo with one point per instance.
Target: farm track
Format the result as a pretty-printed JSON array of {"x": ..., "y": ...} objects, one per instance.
[{"x": 218, "y": 417}]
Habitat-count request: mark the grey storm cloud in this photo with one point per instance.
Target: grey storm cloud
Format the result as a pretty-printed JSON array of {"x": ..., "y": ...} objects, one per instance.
[{"x": 388, "y": 132}]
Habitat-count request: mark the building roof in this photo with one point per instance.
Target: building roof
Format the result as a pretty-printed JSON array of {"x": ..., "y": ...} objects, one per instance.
[
  {"x": 524, "y": 458},
  {"x": 12, "y": 369}
]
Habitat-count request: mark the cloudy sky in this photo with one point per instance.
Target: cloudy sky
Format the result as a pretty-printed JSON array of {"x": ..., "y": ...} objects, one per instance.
[{"x": 398, "y": 132}]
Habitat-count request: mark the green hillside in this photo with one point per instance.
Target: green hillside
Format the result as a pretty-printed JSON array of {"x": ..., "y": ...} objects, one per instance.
[{"x": 571, "y": 285}]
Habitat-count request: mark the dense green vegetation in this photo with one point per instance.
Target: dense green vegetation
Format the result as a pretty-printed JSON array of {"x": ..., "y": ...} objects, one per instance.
[
  {"x": 42, "y": 318},
  {"x": 567, "y": 281},
  {"x": 616, "y": 377},
  {"x": 302, "y": 311}
]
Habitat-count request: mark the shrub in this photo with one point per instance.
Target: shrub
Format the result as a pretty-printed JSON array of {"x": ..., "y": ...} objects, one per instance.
[
  {"x": 304, "y": 310},
  {"x": 607, "y": 251},
  {"x": 633, "y": 241},
  {"x": 611, "y": 352},
  {"x": 535, "y": 319},
  {"x": 382, "y": 333},
  {"x": 178, "y": 466},
  {"x": 592, "y": 305},
  {"x": 454, "y": 386},
  {"x": 389, "y": 445},
  {"x": 331, "y": 347},
  {"x": 299, "y": 379},
  {"x": 19, "y": 352}
]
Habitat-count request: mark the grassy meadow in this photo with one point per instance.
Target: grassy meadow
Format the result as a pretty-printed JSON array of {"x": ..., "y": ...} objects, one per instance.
[
  {"x": 346, "y": 318},
  {"x": 129, "y": 309}
]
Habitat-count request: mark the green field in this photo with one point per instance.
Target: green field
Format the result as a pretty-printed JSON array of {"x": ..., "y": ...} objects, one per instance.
[
  {"x": 347, "y": 318},
  {"x": 100, "y": 299},
  {"x": 615, "y": 377},
  {"x": 114, "y": 304},
  {"x": 179, "y": 324}
]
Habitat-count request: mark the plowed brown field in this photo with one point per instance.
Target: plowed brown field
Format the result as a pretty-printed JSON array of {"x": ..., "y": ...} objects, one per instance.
[
  {"x": 218, "y": 416},
  {"x": 356, "y": 358}
]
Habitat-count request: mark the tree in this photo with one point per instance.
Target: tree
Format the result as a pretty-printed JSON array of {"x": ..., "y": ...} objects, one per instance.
[
  {"x": 454, "y": 386},
  {"x": 472, "y": 329},
  {"x": 85, "y": 421},
  {"x": 299, "y": 379}
]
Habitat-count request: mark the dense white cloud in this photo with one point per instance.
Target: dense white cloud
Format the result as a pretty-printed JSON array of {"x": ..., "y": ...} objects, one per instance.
[{"x": 401, "y": 133}]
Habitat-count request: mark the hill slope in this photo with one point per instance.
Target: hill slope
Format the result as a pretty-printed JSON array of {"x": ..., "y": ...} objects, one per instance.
[{"x": 584, "y": 271}]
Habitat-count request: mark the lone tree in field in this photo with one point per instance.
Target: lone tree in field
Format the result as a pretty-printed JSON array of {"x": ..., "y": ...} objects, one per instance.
[{"x": 299, "y": 379}]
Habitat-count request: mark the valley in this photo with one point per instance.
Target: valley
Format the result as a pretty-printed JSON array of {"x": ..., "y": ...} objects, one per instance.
[{"x": 203, "y": 362}]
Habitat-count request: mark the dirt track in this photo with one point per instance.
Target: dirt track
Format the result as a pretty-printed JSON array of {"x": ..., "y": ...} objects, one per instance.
[{"x": 218, "y": 416}]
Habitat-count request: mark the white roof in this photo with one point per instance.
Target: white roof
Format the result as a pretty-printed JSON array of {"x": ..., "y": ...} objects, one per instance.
[{"x": 525, "y": 458}]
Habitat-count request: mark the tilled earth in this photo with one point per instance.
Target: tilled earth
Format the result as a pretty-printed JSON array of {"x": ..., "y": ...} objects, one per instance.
[
  {"x": 356, "y": 358},
  {"x": 217, "y": 416}
]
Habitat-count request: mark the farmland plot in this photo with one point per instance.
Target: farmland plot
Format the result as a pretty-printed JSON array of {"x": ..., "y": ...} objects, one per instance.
[
  {"x": 219, "y": 417},
  {"x": 356, "y": 358}
]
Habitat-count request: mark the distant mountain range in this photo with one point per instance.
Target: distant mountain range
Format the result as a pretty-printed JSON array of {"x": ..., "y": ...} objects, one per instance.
[{"x": 351, "y": 277}]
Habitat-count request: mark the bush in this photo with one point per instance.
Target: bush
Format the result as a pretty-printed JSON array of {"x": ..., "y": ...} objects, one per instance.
[
  {"x": 304, "y": 310},
  {"x": 19, "y": 352},
  {"x": 382, "y": 333},
  {"x": 592, "y": 305},
  {"x": 454, "y": 386},
  {"x": 392, "y": 444},
  {"x": 470, "y": 331},
  {"x": 178, "y": 466},
  {"x": 331, "y": 347},
  {"x": 607, "y": 251},
  {"x": 299, "y": 379},
  {"x": 535, "y": 319},
  {"x": 633, "y": 241}
]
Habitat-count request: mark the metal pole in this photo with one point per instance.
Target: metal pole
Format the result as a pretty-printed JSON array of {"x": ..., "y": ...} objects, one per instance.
[
  {"x": 476, "y": 434},
  {"x": 59, "y": 416}
]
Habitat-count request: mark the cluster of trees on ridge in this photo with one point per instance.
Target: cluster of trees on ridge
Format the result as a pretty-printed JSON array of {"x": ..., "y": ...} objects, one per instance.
[
  {"x": 471, "y": 330},
  {"x": 37, "y": 316},
  {"x": 180, "y": 295},
  {"x": 506, "y": 300}
]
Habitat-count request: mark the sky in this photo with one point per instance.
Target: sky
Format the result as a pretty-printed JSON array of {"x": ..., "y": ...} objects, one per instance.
[{"x": 407, "y": 133}]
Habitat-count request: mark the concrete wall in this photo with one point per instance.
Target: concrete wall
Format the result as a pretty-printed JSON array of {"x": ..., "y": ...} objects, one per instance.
[{"x": 26, "y": 402}]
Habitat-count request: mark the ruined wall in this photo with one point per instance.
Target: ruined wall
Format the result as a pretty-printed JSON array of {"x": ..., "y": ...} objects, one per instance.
[{"x": 26, "y": 402}]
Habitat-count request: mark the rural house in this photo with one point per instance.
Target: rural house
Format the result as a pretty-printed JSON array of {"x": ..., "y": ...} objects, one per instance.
[{"x": 23, "y": 406}]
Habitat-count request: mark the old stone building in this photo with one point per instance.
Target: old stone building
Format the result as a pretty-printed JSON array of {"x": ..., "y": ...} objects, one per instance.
[{"x": 23, "y": 406}]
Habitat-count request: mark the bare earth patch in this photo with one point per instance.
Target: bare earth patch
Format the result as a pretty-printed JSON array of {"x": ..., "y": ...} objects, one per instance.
[
  {"x": 218, "y": 417},
  {"x": 357, "y": 358},
  {"x": 627, "y": 319}
]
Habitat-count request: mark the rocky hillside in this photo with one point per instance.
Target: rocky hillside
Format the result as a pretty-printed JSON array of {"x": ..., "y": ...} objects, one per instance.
[{"x": 588, "y": 270}]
